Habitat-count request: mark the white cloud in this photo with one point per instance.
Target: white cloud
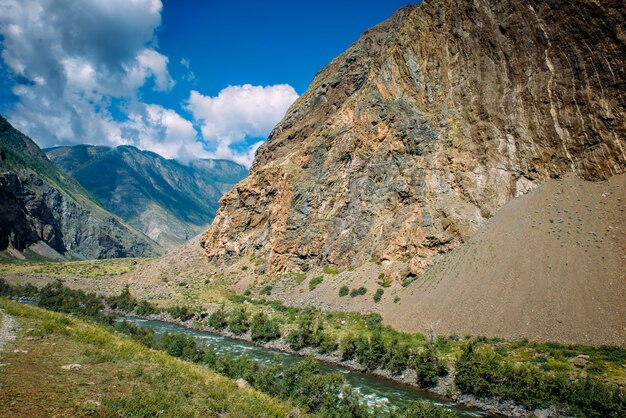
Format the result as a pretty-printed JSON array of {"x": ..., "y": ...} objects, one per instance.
[
  {"x": 78, "y": 60},
  {"x": 75, "y": 58},
  {"x": 163, "y": 131},
  {"x": 237, "y": 114}
]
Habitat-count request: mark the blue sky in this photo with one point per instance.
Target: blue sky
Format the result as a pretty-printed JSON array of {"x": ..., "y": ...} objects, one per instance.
[{"x": 184, "y": 78}]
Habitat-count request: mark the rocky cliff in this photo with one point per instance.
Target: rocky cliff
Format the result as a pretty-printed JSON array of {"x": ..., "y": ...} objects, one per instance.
[
  {"x": 45, "y": 211},
  {"x": 405, "y": 144},
  {"x": 165, "y": 199}
]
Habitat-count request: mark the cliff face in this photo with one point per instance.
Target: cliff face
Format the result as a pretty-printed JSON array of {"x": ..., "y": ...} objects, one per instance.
[
  {"x": 404, "y": 145},
  {"x": 166, "y": 200},
  {"x": 39, "y": 204}
]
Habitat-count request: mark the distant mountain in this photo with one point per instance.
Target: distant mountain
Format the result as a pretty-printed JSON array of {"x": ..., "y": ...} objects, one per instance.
[
  {"x": 45, "y": 213},
  {"x": 167, "y": 200}
]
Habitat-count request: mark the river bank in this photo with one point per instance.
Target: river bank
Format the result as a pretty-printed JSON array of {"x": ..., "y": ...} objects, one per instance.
[{"x": 443, "y": 390}]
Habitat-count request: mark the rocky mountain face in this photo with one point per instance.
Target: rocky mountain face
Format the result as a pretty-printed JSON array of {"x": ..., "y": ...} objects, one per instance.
[
  {"x": 44, "y": 212},
  {"x": 408, "y": 142},
  {"x": 166, "y": 200}
]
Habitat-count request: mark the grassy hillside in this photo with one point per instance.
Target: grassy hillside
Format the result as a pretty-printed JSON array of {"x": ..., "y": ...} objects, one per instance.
[
  {"x": 169, "y": 201},
  {"x": 116, "y": 376}
]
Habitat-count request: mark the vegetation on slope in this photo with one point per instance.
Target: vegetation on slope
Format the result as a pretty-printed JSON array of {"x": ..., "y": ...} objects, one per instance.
[
  {"x": 116, "y": 376},
  {"x": 302, "y": 383}
]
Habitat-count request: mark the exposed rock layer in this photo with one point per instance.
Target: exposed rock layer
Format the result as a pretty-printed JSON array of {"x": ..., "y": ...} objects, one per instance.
[{"x": 404, "y": 145}]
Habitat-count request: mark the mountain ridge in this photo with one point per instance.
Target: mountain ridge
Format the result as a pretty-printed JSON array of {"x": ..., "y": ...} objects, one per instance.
[
  {"x": 47, "y": 211},
  {"x": 167, "y": 200}
]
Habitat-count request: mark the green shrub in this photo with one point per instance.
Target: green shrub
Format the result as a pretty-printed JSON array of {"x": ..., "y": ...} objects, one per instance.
[
  {"x": 421, "y": 409},
  {"x": 218, "y": 319},
  {"x": 238, "y": 321},
  {"x": 374, "y": 321},
  {"x": 267, "y": 290},
  {"x": 124, "y": 301},
  {"x": 483, "y": 373},
  {"x": 343, "y": 291},
  {"x": 264, "y": 329},
  {"x": 378, "y": 295},
  {"x": 180, "y": 345},
  {"x": 56, "y": 297},
  {"x": 145, "y": 308},
  {"x": 348, "y": 348},
  {"x": 144, "y": 335},
  {"x": 398, "y": 357},
  {"x": 315, "y": 282},
  {"x": 358, "y": 292},
  {"x": 182, "y": 313},
  {"x": 329, "y": 270},
  {"x": 428, "y": 367}
]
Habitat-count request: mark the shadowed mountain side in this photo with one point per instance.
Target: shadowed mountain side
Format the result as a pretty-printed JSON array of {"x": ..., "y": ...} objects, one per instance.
[
  {"x": 45, "y": 213},
  {"x": 167, "y": 200}
]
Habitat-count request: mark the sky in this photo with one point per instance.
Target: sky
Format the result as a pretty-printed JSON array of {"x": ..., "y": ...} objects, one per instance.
[{"x": 182, "y": 78}]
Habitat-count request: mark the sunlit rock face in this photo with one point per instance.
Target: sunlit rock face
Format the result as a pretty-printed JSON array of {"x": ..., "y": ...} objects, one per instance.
[{"x": 405, "y": 144}]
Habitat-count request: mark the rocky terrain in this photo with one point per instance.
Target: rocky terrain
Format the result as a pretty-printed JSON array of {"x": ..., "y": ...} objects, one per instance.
[
  {"x": 407, "y": 143},
  {"x": 165, "y": 199},
  {"x": 44, "y": 213}
]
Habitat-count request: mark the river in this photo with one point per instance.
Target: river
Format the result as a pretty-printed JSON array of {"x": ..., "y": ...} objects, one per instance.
[{"x": 376, "y": 391}]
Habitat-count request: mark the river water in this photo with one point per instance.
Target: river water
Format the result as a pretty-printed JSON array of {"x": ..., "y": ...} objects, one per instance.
[{"x": 376, "y": 391}]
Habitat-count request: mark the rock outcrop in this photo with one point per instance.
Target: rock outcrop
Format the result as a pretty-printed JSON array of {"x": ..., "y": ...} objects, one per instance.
[
  {"x": 46, "y": 211},
  {"x": 405, "y": 144}
]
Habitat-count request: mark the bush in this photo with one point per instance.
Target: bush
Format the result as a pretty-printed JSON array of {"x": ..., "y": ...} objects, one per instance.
[
  {"x": 56, "y": 297},
  {"x": 182, "y": 313},
  {"x": 421, "y": 409},
  {"x": 143, "y": 335},
  {"x": 370, "y": 352},
  {"x": 264, "y": 329},
  {"x": 358, "y": 292},
  {"x": 180, "y": 345},
  {"x": 343, "y": 291},
  {"x": 145, "y": 308},
  {"x": 218, "y": 319},
  {"x": 315, "y": 282},
  {"x": 330, "y": 270},
  {"x": 124, "y": 302},
  {"x": 378, "y": 295},
  {"x": 238, "y": 321},
  {"x": 267, "y": 290},
  {"x": 428, "y": 367},
  {"x": 374, "y": 321},
  {"x": 482, "y": 373}
]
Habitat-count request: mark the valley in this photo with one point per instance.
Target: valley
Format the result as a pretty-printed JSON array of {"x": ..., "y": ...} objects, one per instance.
[{"x": 433, "y": 228}]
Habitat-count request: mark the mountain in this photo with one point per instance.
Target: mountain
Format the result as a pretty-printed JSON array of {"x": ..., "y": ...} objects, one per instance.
[
  {"x": 408, "y": 142},
  {"x": 392, "y": 169},
  {"x": 45, "y": 213},
  {"x": 166, "y": 200}
]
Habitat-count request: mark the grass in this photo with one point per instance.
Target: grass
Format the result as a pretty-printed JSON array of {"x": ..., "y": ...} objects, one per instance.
[
  {"x": 119, "y": 377},
  {"x": 87, "y": 268},
  {"x": 316, "y": 281}
]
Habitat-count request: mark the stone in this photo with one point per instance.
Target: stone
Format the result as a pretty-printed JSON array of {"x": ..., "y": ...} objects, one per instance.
[
  {"x": 408, "y": 142},
  {"x": 74, "y": 366}
]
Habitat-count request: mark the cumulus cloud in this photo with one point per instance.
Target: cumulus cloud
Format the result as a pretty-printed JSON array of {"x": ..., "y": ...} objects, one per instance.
[
  {"x": 239, "y": 113},
  {"x": 78, "y": 67},
  {"x": 74, "y": 58}
]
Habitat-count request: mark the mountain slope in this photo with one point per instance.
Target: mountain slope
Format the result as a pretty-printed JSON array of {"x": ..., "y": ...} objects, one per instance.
[
  {"x": 45, "y": 210},
  {"x": 168, "y": 201},
  {"x": 408, "y": 142}
]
